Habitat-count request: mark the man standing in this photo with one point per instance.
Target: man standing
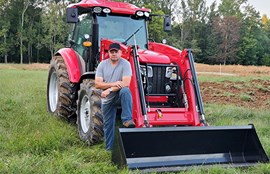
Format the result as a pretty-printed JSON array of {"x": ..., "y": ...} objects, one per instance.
[{"x": 113, "y": 76}]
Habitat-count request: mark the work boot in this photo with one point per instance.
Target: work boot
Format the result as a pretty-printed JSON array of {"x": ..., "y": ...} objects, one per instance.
[{"x": 129, "y": 124}]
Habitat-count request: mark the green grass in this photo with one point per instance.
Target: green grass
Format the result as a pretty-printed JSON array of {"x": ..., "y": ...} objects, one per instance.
[
  {"x": 245, "y": 97},
  {"x": 264, "y": 89},
  {"x": 229, "y": 94},
  {"x": 220, "y": 115},
  {"x": 33, "y": 141},
  {"x": 205, "y": 78}
]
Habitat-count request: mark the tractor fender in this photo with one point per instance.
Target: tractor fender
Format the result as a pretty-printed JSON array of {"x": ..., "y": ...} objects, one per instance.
[
  {"x": 87, "y": 75},
  {"x": 74, "y": 62}
]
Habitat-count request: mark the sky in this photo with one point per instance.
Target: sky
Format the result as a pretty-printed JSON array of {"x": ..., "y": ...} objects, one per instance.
[{"x": 263, "y": 6}]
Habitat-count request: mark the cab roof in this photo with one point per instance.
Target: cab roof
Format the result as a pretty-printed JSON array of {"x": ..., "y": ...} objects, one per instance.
[{"x": 116, "y": 7}]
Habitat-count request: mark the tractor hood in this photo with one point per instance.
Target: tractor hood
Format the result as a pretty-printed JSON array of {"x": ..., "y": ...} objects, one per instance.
[{"x": 147, "y": 56}]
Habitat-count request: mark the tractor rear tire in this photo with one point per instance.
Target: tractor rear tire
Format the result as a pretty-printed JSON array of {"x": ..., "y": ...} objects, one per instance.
[
  {"x": 60, "y": 91},
  {"x": 89, "y": 116}
]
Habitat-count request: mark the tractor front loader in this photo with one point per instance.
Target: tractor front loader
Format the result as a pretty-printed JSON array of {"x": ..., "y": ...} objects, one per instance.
[{"x": 171, "y": 132}]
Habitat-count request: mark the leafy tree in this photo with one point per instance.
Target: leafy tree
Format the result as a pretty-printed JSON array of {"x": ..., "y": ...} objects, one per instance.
[
  {"x": 4, "y": 47},
  {"x": 164, "y": 5},
  {"x": 233, "y": 32},
  {"x": 33, "y": 20},
  {"x": 16, "y": 35},
  {"x": 25, "y": 4},
  {"x": 265, "y": 41},
  {"x": 4, "y": 27},
  {"x": 173, "y": 38},
  {"x": 7, "y": 39},
  {"x": 212, "y": 39},
  {"x": 55, "y": 29},
  {"x": 159, "y": 7},
  {"x": 265, "y": 20},
  {"x": 192, "y": 15},
  {"x": 155, "y": 27},
  {"x": 231, "y": 7},
  {"x": 228, "y": 29},
  {"x": 249, "y": 44}
]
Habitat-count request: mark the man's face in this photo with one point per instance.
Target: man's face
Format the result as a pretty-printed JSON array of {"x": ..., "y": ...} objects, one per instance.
[{"x": 115, "y": 54}]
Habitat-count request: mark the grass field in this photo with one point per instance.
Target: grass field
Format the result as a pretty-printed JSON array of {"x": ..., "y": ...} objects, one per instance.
[{"x": 33, "y": 141}]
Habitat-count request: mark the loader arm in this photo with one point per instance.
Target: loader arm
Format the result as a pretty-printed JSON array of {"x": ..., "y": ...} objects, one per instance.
[
  {"x": 140, "y": 86},
  {"x": 196, "y": 87}
]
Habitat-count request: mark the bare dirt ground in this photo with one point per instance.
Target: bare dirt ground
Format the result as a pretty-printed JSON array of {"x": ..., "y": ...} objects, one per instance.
[
  {"x": 233, "y": 69},
  {"x": 253, "y": 94},
  {"x": 33, "y": 66}
]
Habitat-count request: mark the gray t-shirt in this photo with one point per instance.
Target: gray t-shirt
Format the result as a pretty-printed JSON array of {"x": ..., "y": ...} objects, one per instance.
[{"x": 111, "y": 73}]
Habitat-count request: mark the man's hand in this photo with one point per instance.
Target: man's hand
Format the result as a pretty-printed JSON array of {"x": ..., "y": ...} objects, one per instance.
[
  {"x": 105, "y": 93},
  {"x": 119, "y": 84}
]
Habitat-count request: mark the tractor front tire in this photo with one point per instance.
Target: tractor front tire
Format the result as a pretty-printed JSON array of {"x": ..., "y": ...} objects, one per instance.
[
  {"x": 60, "y": 91},
  {"x": 89, "y": 116}
]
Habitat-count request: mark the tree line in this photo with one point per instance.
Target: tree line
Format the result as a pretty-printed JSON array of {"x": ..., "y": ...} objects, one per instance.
[{"x": 231, "y": 32}]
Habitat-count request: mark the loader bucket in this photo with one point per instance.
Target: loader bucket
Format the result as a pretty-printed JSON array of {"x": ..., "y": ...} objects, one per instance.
[{"x": 177, "y": 148}]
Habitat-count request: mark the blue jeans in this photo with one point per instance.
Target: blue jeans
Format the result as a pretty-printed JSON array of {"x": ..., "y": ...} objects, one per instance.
[{"x": 109, "y": 106}]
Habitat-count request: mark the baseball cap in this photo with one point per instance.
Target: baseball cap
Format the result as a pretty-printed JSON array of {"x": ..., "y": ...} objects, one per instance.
[{"x": 114, "y": 46}]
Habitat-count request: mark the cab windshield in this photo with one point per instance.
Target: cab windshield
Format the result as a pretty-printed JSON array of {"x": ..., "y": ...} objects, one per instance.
[{"x": 120, "y": 28}]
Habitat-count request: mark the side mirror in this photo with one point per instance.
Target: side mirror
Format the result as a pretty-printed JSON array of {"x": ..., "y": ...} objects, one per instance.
[
  {"x": 72, "y": 15},
  {"x": 167, "y": 23}
]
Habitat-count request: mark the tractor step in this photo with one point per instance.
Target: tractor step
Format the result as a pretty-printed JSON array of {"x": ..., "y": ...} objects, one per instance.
[{"x": 176, "y": 148}]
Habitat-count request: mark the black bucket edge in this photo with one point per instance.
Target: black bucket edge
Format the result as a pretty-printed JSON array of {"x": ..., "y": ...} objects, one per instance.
[{"x": 120, "y": 159}]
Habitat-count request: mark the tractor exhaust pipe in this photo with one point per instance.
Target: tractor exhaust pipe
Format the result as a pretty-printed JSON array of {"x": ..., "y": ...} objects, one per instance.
[{"x": 177, "y": 148}]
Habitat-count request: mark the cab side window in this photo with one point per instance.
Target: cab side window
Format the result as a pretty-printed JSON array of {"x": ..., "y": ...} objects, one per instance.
[{"x": 84, "y": 26}]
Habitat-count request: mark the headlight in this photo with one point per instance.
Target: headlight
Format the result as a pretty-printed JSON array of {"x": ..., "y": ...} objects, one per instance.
[
  {"x": 106, "y": 10},
  {"x": 149, "y": 71},
  {"x": 146, "y": 14},
  {"x": 97, "y": 9},
  {"x": 139, "y": 13},
  {"x": 170, "y": 73}
]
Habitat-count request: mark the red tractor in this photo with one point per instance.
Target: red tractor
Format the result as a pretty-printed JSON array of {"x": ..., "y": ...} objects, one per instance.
[{"x": 171, "y": 130}]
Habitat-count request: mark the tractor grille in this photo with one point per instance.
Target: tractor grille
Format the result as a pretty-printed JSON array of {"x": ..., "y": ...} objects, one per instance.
[{"x": 158, "y": 81}]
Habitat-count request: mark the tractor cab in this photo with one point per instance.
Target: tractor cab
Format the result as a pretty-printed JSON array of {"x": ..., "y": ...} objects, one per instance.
[
  {"x": 100, "y": 20},
  {"x": 96, "y": 22},
  {"x": 120, "y": 28}
]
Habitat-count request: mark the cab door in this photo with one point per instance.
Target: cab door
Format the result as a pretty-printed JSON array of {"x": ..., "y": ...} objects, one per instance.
[{"x": 83, "y": 32}]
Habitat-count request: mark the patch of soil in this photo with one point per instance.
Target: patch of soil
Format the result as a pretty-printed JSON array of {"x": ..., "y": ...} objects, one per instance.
[
  {"x": 234, "y": 69},
  {"x": 33, "y": 66},
  {"x": 39, "y": 66},
  {"x": 253, "y": 94}
]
